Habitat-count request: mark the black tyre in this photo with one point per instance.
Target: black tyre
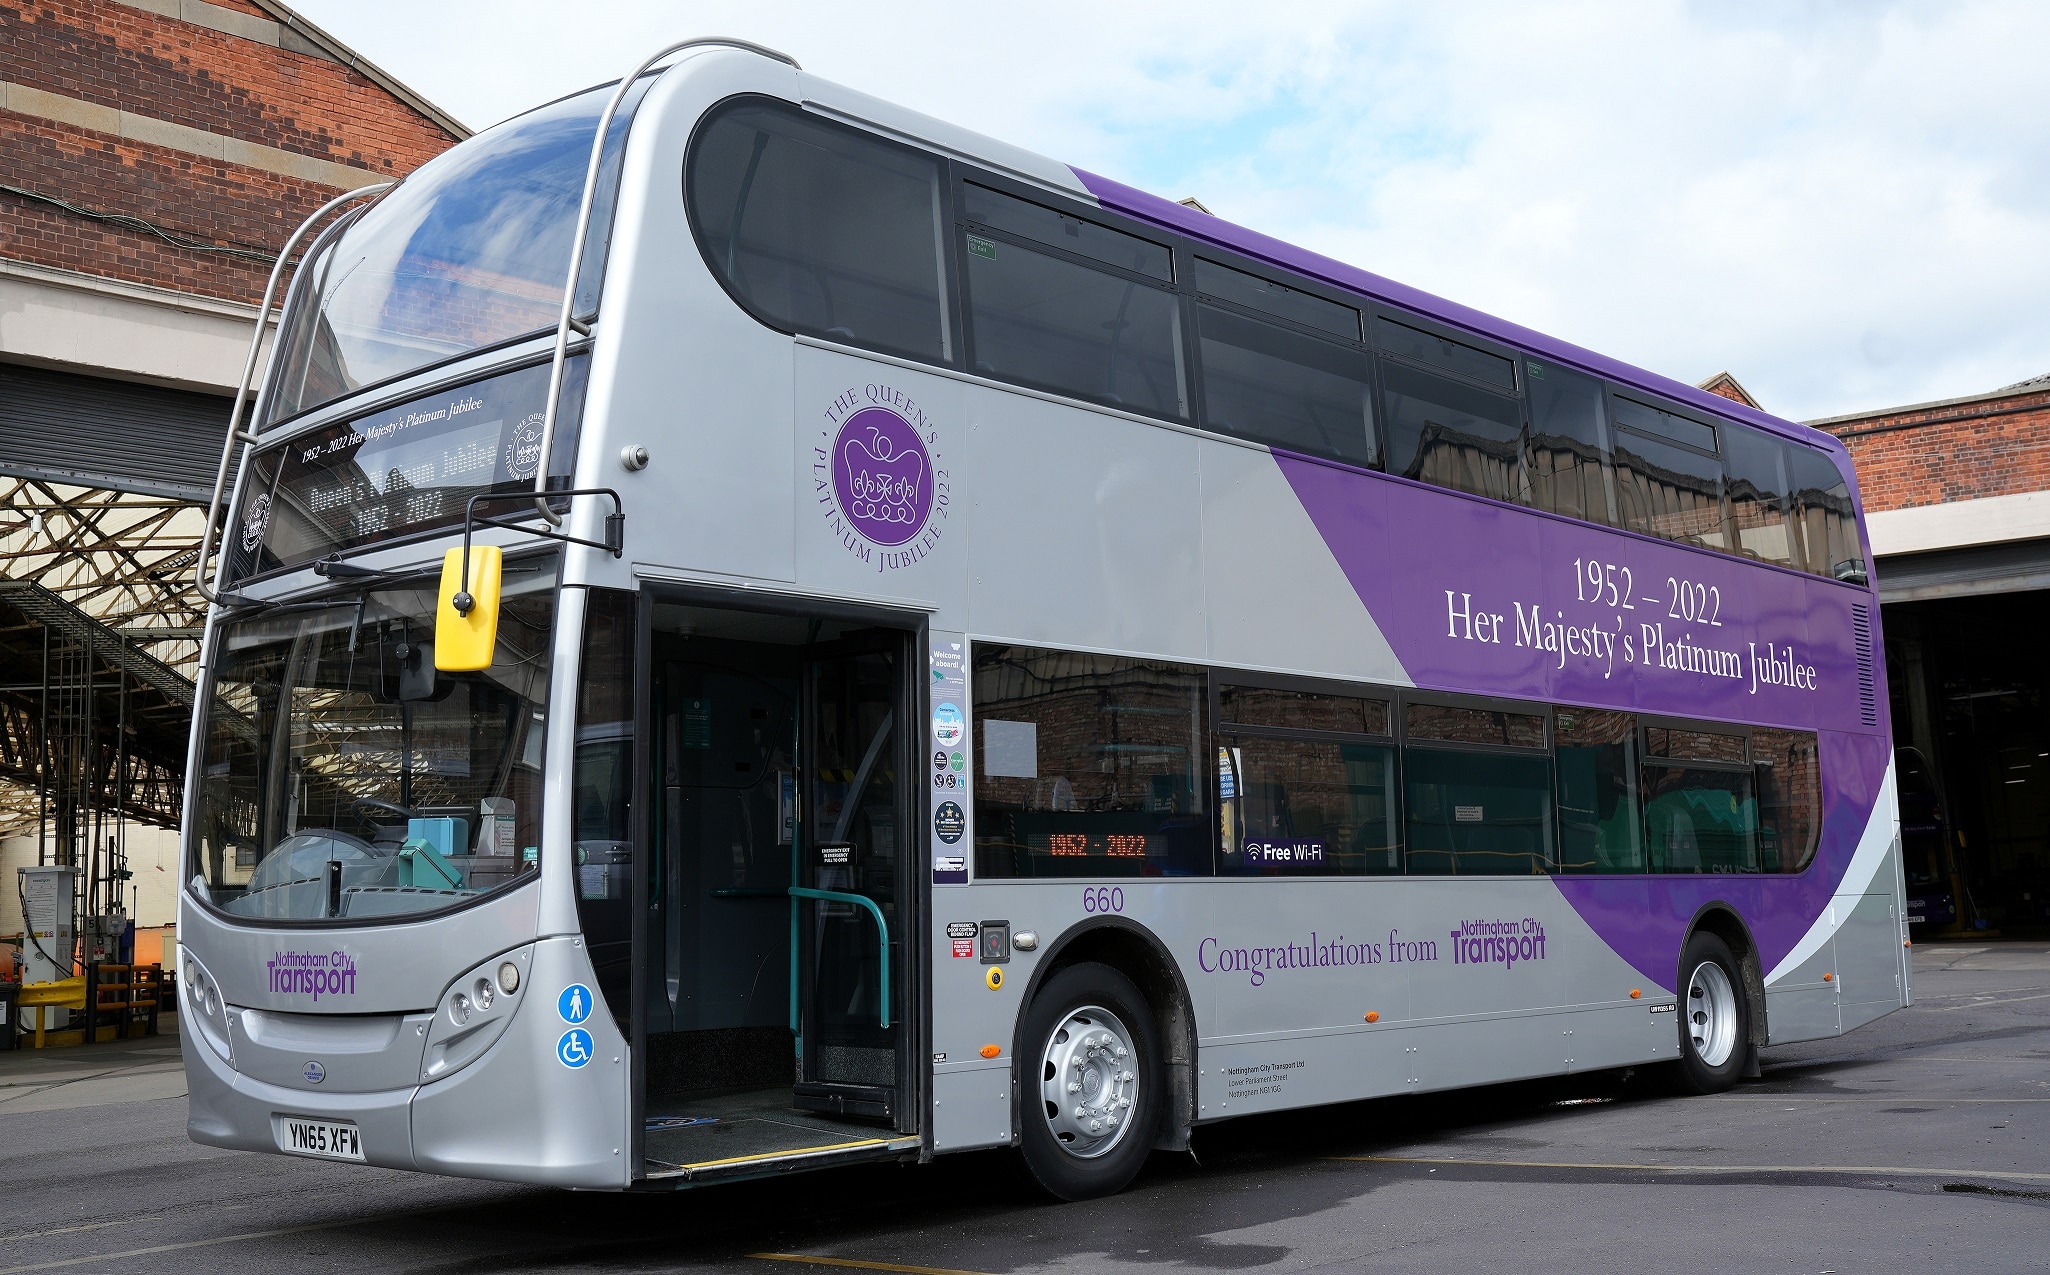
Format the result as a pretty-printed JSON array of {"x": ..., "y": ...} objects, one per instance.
[
  {"x": 1090, "y": 1084},
  {"x": 1715, "y": 1017}
]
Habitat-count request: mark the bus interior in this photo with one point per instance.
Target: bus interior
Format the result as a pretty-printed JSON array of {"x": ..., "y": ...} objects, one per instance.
[{"x": 774, "y": 974}]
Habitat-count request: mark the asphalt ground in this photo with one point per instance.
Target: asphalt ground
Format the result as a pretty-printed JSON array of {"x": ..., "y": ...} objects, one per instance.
[{"x": 1919, "y": 1142}]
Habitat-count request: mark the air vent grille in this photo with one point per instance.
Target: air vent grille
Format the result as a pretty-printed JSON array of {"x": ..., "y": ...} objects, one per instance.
[{"x": 1861, "y": 635}]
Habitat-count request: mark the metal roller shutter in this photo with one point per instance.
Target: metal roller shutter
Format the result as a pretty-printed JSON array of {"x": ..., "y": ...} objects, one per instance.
[{"x": 117, "y": 435}]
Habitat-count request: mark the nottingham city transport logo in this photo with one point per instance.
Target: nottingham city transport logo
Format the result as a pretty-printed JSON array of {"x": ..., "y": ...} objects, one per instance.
[{"x": 878, "y": 478}]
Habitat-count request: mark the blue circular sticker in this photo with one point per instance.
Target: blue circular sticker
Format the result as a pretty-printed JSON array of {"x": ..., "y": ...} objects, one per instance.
[
  {"x": 947, "y": 726},
  {"x": 574, "y": 1049},
  {"x": 574, "y": 1004}
]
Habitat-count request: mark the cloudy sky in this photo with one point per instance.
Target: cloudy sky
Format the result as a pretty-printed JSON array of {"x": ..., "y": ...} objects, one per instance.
[{"x": 1846, "y": 205}]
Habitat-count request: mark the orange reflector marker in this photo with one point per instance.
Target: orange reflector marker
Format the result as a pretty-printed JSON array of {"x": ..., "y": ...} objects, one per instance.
[
  {"x": 1829, "y": 978},
  {"x": 1373, "y": 1016},
  {"x": 990, "y": 1051},
  {"x": 1636, "y": 992}
]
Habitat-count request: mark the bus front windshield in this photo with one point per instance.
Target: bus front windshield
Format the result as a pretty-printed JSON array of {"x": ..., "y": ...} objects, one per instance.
[
  {"x": 468, "y": 252},
  {"x": 344, "y": 777}
]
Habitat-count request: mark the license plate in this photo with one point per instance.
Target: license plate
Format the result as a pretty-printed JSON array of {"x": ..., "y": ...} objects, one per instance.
[{"x": 325, "y": 1139}]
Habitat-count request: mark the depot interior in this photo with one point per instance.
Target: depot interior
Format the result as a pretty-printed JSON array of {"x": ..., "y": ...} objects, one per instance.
[{"x": 1969, "y": 688}]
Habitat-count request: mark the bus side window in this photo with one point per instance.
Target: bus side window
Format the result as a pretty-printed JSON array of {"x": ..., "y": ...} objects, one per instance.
[
  {"x": 1789, "y": 797},
  {"x": 821, "y": 229},
  {"x": 1669, "y": 477},
  {"x": 1600, "y": 829},
  {"x": 1477, "y": 791},
  {"x": 1568, "y": 449},
  {"x": 1091, "y": 765},
  {"x": 1092, "y": 313},
  {"x": 1283, "y": 367},
  {"x": 1758, "y": 495},
  {"x": 1463, "y": 431},
  {"x": 1700, "y": 809},
  {"x": 1287, "y": 389},
  {"x": 1825, "y": 523}
]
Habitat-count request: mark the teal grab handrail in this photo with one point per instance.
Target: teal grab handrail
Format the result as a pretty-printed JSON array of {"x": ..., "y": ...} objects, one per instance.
[{"x": 882, "y": 930}]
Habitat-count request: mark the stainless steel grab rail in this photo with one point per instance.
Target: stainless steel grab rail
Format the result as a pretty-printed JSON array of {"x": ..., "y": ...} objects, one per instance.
[
  {"x": 567, "y": 320},
  {"x": 236, "y": 434}
]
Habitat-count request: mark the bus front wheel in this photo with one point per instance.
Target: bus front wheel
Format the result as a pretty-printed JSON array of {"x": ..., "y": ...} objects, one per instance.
[
  {"x": 1090, "y": 1096},
  {"x": 1715, "y": 1018}
]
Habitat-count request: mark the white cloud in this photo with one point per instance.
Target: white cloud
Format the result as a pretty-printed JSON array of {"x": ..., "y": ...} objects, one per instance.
[{"x": 1843, "y": 204}]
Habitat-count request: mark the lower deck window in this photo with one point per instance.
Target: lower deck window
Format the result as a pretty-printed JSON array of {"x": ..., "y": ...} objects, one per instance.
[
  {"x": 1699, "y": 820},
  {"x": 1475, "y": 813},
  {"x": 1302, "y": 807},
  {"x": 1596, "y": 755},
  {"x": 1107, "y": 766},
  {"x": 1090, "y": 765}
]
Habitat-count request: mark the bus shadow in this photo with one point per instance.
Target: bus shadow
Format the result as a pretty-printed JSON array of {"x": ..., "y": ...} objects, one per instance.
[{"x": 1248, "y": 1172}]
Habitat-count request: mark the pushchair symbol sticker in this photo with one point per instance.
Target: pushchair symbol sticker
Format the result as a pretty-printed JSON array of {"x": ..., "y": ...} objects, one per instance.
[
  {"x": 574, "y": 1004},
  {"x": 574, "y": 1049}
]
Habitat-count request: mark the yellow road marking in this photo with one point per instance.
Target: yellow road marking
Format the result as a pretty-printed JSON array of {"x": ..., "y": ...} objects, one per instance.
[
  {"x": 778, "y": 1155},
  {"x": 855, "y": 1263},
  {"x": 1906, "y": 1171}
]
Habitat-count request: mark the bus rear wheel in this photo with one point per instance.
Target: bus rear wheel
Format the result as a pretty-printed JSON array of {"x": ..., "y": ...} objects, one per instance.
[
  {"x": 1715, "y": 1016},
  {"x": 1090, "y": 1096}
]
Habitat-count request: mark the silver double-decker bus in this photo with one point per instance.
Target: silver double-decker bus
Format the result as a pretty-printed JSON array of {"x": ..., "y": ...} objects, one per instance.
[{"x": 755, "y": 629}]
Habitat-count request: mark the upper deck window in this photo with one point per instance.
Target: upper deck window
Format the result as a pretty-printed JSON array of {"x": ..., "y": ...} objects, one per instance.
[
  {"x": 1567, "y": 451},
  {"x": 1669, "y": 479},
  {"x": 1446, "y": 355},
  {"x": 1276, "y": 385},
  {"x": 1825, "y": 521},
  {"x": 1758, "y": 495},
  {"x": 985, "y": 207},
  {"x": 1092, "y": 314},
  {"x": 823, "y": 229},
  {"x": 1659, "y": 423},
  {"x": 470, "y": 251},
  {"x": 1283, "y": 302},
  {"x": 1453, "y": 434}
]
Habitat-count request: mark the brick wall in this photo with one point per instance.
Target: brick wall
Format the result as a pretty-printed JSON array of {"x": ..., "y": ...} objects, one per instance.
[
  {"x": 1995, "y": 446},
  {"x": 115, "y": 57}
]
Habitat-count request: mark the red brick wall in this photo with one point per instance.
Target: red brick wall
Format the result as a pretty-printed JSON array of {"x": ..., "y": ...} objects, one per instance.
[
  {"x": 1962, "y": 451},
  {"x": 137, "y": 61}
]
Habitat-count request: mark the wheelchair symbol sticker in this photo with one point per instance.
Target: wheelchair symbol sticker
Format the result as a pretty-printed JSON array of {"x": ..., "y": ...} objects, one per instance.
[
  {"x": 574, "y": 1004},
  {"x": 574, "y": 1049}
]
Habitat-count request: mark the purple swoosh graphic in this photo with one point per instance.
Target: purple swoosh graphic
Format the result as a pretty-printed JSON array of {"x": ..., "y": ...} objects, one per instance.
[{"x": 1405, "y": 547}]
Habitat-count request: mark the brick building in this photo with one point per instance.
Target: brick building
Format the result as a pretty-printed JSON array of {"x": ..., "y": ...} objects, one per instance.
[
  {"x": 154, "y": 155},
  {"x": 1957, "y": 501}
]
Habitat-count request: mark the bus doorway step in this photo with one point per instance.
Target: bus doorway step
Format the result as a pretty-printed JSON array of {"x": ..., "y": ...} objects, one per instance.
[
  {"x": 868, "y": 1102},
  {"x": 753, "y": 1135}
]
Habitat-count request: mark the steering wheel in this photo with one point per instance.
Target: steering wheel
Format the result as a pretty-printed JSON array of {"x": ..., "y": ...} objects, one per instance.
[{"x": 365, "y": 807}]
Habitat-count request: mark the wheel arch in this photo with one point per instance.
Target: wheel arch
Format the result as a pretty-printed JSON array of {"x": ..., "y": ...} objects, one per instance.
[
  {"x": 1722, "y": 919},
  {"x": 1138, "y": 954}
]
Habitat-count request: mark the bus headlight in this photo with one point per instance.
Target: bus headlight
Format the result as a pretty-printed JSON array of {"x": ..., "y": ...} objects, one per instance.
[{"x": 476, "y": 1010}]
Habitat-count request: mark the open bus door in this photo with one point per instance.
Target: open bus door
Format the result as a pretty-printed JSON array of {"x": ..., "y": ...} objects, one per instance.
[{"x": 776, "y": 957}]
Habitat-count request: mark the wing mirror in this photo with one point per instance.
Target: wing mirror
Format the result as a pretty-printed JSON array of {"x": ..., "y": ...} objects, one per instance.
[{"x": 466, "y": 620}]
